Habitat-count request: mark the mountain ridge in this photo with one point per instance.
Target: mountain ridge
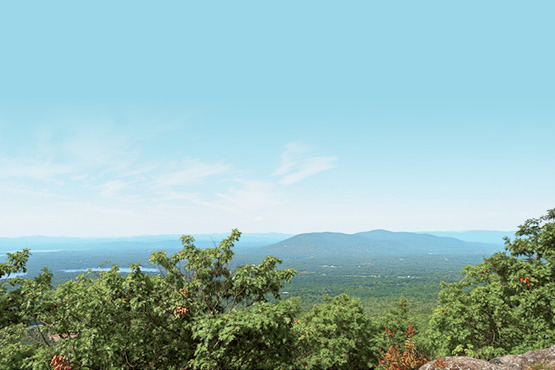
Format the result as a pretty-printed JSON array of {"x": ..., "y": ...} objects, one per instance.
[
  {"x": 334, "y": 244},
  {"x": 373, "y": 243}
]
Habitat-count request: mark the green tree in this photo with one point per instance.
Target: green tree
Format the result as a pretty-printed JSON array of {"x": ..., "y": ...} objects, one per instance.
[
  {"x": 16, "y": 262},
  {"x": 199, "y": 313},
  {"x": 506, "y": 304},
  {"x": 20, "y": 300},
  {"x": 397, "y": 320},
  {"x": 337, "y": 335}
]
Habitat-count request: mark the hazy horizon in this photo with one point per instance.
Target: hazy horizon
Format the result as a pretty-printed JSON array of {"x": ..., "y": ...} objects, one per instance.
[{"x": 223, "y": 234}]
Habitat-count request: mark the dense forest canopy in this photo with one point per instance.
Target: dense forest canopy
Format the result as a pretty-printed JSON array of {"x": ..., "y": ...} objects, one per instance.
[{"x": 205, "y": 312}]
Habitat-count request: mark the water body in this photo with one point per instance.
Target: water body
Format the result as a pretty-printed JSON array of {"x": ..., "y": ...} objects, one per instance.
[
  {"x": 104, "y": 269},
  {"x": 16, "y": 274},
  {"x": 33, "y": 251}
]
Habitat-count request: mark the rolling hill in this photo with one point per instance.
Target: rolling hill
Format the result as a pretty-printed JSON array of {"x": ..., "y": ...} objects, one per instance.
[
  {"x": 482, "y": 236},
  {"x": 373, "y": 243}
]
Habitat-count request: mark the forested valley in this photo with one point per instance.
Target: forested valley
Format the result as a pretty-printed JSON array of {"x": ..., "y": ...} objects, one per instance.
[{"x": 218, "y": 308}]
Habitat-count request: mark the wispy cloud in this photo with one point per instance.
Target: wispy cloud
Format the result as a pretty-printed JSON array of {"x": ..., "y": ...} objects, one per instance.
[
  {"x": 86, "y": 207},
  {"x": 33, "y": 169},
  {"x": 299, "y": 162},
  {"x": 20, "y": 189},
  {"x": 247, "y": 196},
  {"x": 188, "y": 172},
  {"x": 111, "y": 188},
  {"x": 58, "y": 152},
  {"x": 177, "y": 195},
  {"x": 119, "y": 190},
  {"x": 251, "y": 195}
]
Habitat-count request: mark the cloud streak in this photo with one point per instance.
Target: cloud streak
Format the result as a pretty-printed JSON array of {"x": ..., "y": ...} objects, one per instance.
[
  {"x": 44, "y": 170},
  {"x": 247, "y": 196},
  {"x": 299, "y": 162},
  {"x": 190, "y": 171}
]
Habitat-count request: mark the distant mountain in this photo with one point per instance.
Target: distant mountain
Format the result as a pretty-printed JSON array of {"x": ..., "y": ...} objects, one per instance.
[
  {"x": 317, "y": 243},
  {"x": 323, "y": 244},
  {"x": 481, "y": 236},
  {"x": 373, "y": 243},
  {"x": 426, "y": 243}
]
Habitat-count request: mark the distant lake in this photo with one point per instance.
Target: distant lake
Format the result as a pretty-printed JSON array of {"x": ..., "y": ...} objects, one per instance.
[
  {"x": 104, "y": 269},
  {"x": 34, "y": 251},
  {"x": 14, "y": 275}
]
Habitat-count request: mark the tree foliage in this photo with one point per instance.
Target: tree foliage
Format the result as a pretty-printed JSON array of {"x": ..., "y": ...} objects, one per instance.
[
  {"x": 336, "y": 335},
  {"x": 199, "y": 313},
  {"x": 203, "y": 312},
  {"x": 407, "y": 358},
  {"x": 506, "y": 304}
]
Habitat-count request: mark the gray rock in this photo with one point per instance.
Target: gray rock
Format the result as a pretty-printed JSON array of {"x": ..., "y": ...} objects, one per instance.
[
  {"x": 522, "y": 362},
  {"x": 544, "y": 358}
]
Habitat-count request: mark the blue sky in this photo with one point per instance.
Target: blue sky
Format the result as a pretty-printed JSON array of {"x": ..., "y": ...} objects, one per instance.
[{"x": 133, "y": 117}]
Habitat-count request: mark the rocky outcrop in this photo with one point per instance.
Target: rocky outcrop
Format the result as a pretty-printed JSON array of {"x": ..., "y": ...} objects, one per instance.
[{"x": 543, "y": 359}]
